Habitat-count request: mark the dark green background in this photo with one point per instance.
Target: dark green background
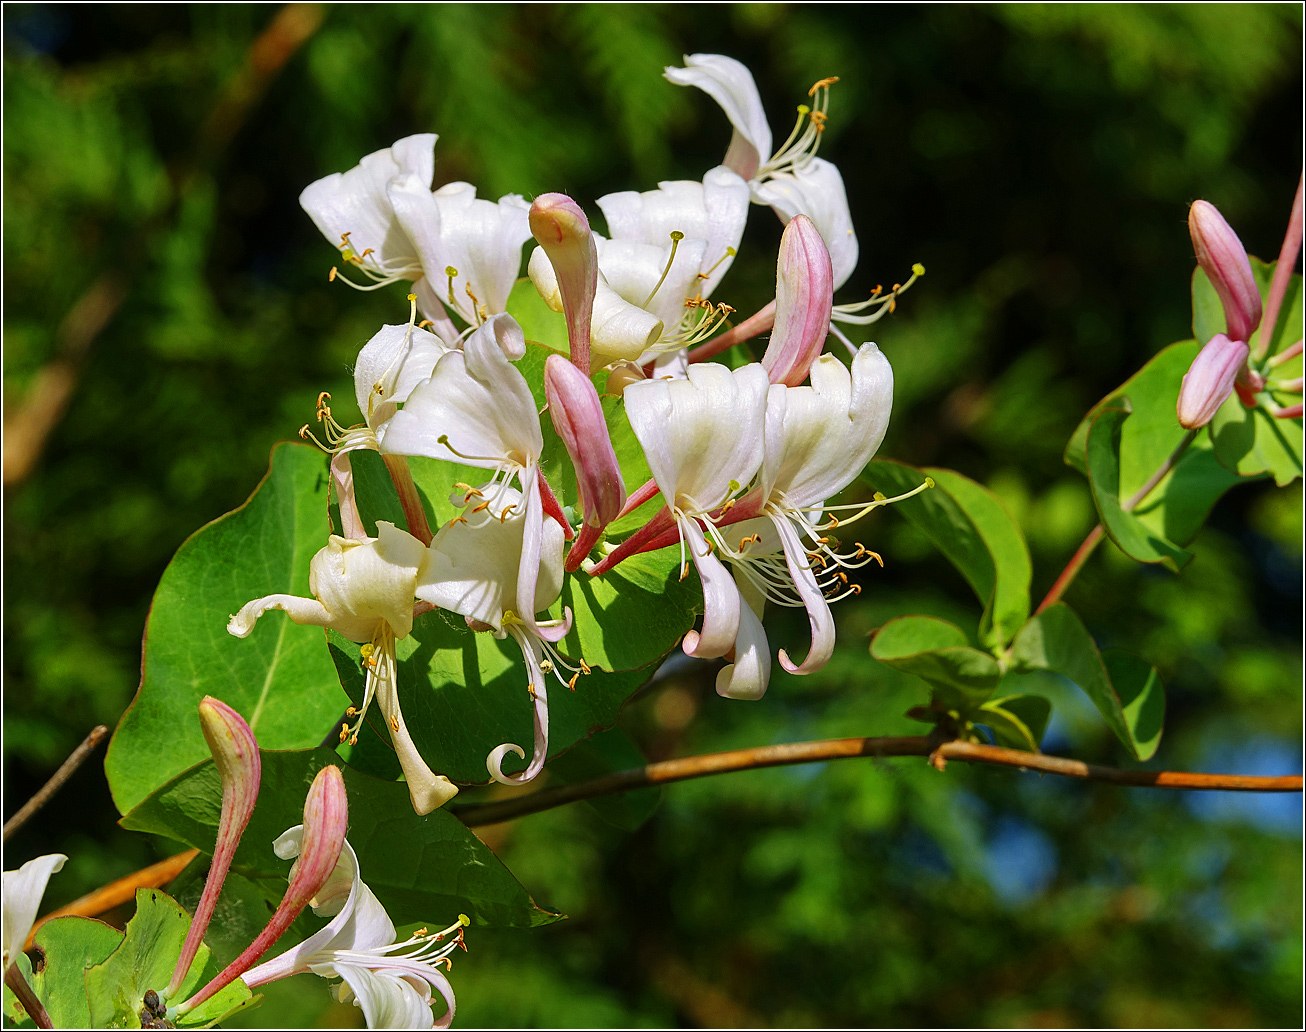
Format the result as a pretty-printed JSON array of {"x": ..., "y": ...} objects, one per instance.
[{"x": 1038, "y": 160}]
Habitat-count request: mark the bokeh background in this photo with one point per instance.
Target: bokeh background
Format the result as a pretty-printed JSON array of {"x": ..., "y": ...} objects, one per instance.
[{"x": 167, "y": 317}]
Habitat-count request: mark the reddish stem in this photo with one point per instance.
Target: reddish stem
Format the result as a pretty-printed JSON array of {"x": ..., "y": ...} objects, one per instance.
[
  {"x": 1282, "y": 274},
  {"x": 411, "y": 501},
  {"x": 759, "y": 322},
  {"x": 19, "y": 987},
  {"x": 552, "y": 508}
]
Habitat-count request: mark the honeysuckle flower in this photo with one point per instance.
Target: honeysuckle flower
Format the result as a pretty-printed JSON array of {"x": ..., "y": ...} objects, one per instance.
[
  {"x": 1224, "y": 260},
  {"x": 1210, "y": 380},
  {"x": 818, "y": 439},
  {"x": 477, "y": 570},
  {"x": 390, "y": 981},
  {"x": 236, "y": 757},
  {"x": 364, "y": 589},
  {"x": 793, "y": 181},
  {"x": 803, "y": 296},
  {"x": 477, "y": 409},
  {"x": 577, "y": 416},
  {"x": 22, "y": 894},
  {"x": 320, "y": 842},
  {"x": 702, "y": 437},
  {"x": 713, "y": 211}
]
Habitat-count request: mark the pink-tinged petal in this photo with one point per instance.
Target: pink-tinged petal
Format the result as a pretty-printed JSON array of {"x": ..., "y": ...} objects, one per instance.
[
  {"x": 390, "y": 365},
  {"x": 326, "y": 817},
  {"x": 731, "y": 85},
  {"x": 804, "y": 296},
  {"x": 236, "y": 757},
  {"x": 816, "y": 190},
  {"x": 534, "y": 534},
  {"x": 342, "y": 480},
  {"x": 818, "y": 610},
  {"x": 1224, "y": 260},
  {"x": 720, "y": 598},
  {"x": 578, "y": 418},
  {"x": 747, "y": 677},
  {"x": 538, "y": 690},
  {"x": 1210, "y": 380},
  {"x": 563, "y": 231}
]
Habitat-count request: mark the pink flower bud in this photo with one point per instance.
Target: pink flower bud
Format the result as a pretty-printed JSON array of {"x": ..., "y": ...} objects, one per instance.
[
  {"x": 563, "y": 231},
  {"x": 804, "y": 294},
  {"x": 1210, "y": 380},
  {"x": 578, "y": 418},
  {"x": 1224, "y": 260},
  {"x": 236, "y": 757},
  {"x": 326, "y": 818}
]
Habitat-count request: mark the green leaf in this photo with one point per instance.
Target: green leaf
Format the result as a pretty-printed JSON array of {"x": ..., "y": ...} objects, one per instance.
[
  {"x": 938, "y": 652},
  {"x": 1129, "y": 533},
  {"x": 1208, "y": 313},
  {"x": 1175, "y": 510},
  {"x": 423, "y": 869},
  {"x": 1018, "y": 721},
  {"x": 1057, "y": 640},
  {"x": 1250, "y": 442},
  {"x": 541, "y": 324},
  {"x": 974, "y": 531},
  {"x": 70, "y": 945},
  {"x": 605, "y": 753},
  {"x": 145, "y": 959},
  {"x": 280, "y": 678}
]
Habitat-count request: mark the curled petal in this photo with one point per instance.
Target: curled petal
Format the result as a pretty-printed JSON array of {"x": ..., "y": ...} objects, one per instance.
[
  {"x": 22, "y": 894},
  {"x": 721, "y": 604},
  {"x": 750, "y": 673},
  {"x": 731, "y": 85},
  {"x": 538, "y": 689},
  {"x": 818, "y": 610},
  {"x": 816, "y": 190}
]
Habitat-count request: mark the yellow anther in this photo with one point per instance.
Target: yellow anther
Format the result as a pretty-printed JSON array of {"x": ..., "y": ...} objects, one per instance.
[
  {"x": 352, "y": 711},
  {"x": 856, "y": 588},
  {"x": 331, "y": 276},
  {"x": 458, "y": 519},
  {"x": 420, "y": 932},
  {"x": 819, "y": 119},
  {"x": 503, "y": 516},
  {"x": 303, "y": 432},
  {"x": 394, "y": 724},
  {"x": 353, "y": 739},
  {"x": 424, "y": 324},
  {"x": 530, "y": 690},
  {"x": 481, "y": 508},
  {"x": 834, "y": 521},
  {"x": 370, "y": 250},
  {"x": 572, "y": 683},
  {"x": 546, "y": 666},
  {"x": 344, "y": 733},
  {"x": 584, "y": 667},
  {"x": 876, "y": 557},
  {"x": 825, "y": 83}
]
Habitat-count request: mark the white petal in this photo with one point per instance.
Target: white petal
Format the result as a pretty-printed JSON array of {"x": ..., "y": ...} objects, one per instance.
[
  {"x": 479, "y": 401},
  {"x": 368, "y": 579},
  {"x": 387, "y": 1000},
  {"x": 818, "y": 609},
  {"x": 532, "y": 653},
  {"x": 636, "y": 272},
  {"x": 356, "y": 202},
  {"x": 390, "y": 365},
  {"x": 701, "y": 434},
  {"x": 816, "y": 190},
  {"x": 721, "y": 608},
  {"x": 748, "y": 676},
  {"x": 619, "y": 330},
  {"x": 483, "y": 241},
  {"x": 23, "y": 890},
  {"x": 731, "y": 85}
]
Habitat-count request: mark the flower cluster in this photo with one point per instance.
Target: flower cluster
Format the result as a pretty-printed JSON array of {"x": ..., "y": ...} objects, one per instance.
[{"x": 744, "y": 459}]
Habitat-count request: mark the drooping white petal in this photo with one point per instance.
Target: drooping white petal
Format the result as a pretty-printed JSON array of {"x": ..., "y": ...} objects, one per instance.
[
  {"x": 815, "y": 189},
  {"x": 356, "y": 202},
  {"x": 714, "y": 211},
  {"x": 390, "y": 997},
  {"x": 390, "y": 365},
  {"x": 537, "y": 686},
  {"x": 813, "y": 599},
  {"x": 749, "y": 674},
  {"x": 541, "y": 542},
  {"x": 731, "y": 85},
  {"x": 701, "y": 434},
  {"x": 721, "y": 608},
  {"x": 483, "y": 240},
  {"x": 819, "y": 438},
  {"x": 478, "y": 401},
  {"x": 22, "y": 894}
]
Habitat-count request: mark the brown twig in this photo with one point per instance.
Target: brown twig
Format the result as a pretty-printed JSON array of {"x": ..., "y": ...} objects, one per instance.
[
  {"x": 115, "y": 894},
  {"x": 849, "y": 748},
  {"x": 56, "y": 781},
  {"x": 26, "y": 998}
]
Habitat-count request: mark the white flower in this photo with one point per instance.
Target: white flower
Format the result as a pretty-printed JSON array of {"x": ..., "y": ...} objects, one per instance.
[
  {"x": 363, "y": 588},
  {"x": 23, "y": 890},
  {"x": 392, "y": 987},
  {"x": 702, "y": 437},
  {"x": 476, "y": 570}
]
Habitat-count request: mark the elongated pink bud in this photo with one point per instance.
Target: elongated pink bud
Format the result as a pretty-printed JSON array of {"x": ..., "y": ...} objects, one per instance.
[
  {"x": 562, "y": 229},
  {"x": 1224, "y": 260},
  {"x": 236, "y": 757},
  {"x": 804, "y": 295},
  {"x": 1210, "y": 380},
  {"x": 326, "y": 818},
  {"x": 578, "y": 417}
]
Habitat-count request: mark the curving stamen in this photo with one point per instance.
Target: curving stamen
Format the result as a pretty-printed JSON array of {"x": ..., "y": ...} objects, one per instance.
[{"x": 880, "y": 303}]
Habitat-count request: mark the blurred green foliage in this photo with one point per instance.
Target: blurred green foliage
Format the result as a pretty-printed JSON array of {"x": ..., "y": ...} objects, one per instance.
[{"x": 1038, "y": 159}]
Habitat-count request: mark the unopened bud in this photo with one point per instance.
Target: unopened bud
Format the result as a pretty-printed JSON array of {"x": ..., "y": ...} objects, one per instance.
[
  {"x": 578, "y": 417},
  {"x": 1224, "y": 260},
  {"x": 1210, "y": 380},
  {"x": 236, "y": 757},
  {"x": 326, "y": 818},
  {"x": 563, "y": 231},
  {"x": 804, "y": 295}
]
